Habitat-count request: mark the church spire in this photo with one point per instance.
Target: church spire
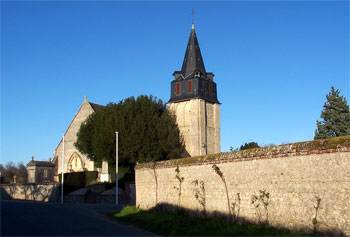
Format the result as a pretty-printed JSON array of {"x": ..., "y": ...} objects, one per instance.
[
  {"x": 193, "y": 64},
  {"x": 193, "y": 81}
]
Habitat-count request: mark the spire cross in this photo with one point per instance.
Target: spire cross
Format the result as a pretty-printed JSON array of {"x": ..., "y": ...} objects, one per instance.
[{"x": 192, "y": 16}]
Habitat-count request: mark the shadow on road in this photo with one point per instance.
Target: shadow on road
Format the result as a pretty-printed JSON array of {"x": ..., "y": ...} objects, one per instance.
[{"x": 28, "y": 218}]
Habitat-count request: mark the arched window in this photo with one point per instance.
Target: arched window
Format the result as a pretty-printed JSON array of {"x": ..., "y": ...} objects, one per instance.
[{"x": 75, "y": 163}]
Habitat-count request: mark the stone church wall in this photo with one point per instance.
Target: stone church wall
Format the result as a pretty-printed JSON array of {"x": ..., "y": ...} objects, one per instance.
[
  {"x": 191, "y": 117},
  {"x": 70, "y": 138},
  {"x": 294, "y": 175}
]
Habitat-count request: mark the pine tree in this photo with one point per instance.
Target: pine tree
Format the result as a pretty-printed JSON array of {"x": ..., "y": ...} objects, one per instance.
[
  {"x": 249, "y": 145},
  {"x": 335, "y": 115}
]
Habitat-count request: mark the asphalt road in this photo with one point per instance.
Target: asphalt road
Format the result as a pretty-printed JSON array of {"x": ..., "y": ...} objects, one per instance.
[{"x": 23, "y": 218}]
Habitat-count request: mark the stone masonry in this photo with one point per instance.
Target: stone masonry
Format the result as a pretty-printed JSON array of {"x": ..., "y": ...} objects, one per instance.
[
  {"x": 74, "y": 161},
  {"x": 34, "y": 192},
  {"x": 199, "y": 124},
  {"x": 294, "y": 175},
  {"x": 70, "y": 137}
]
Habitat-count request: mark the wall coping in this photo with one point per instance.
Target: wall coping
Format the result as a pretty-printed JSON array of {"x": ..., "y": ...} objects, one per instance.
[
  {"x": 331, "y": 145},
  {"x": 37, "y": 184}
]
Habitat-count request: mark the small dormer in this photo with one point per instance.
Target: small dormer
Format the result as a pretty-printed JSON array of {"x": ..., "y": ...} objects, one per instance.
[
  {"x": 177, "y": 75},
  {"x": 210, "y": 76},
  {"x": 197, "y": 74}
]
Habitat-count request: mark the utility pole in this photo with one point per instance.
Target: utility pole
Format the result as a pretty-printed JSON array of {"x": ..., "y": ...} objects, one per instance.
[
  {"x": 62, "y": 169},
  {"x": 116, "y": 168}
]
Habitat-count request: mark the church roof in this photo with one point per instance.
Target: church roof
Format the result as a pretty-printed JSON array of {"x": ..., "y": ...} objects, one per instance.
[
  {"x": 193, "y": 60},
  {"x": 96, "y": 107},
  {"x": 193, "y": 81}
]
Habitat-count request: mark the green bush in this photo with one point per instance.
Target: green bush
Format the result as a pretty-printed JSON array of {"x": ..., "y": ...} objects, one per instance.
[
  {"x": 90, "y": 176},
  {"x": 122, "y": 171}
]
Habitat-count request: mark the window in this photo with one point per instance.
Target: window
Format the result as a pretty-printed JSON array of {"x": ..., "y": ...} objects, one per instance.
[
  {"x": 31, "y": 174},
  {"x": 178, "y": 89},
  {"x": 45, "y": 173},
  {"x": 189, "y": 86},
  {"x": 204, "y": 86},
  {"x": 211, "y": 89}
]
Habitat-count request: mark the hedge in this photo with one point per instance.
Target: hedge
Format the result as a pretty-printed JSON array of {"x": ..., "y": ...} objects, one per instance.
[{"x": 77, "y": 180}]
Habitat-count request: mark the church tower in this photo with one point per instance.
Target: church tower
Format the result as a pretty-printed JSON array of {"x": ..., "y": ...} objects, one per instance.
[{"x": 194, "y": 101}]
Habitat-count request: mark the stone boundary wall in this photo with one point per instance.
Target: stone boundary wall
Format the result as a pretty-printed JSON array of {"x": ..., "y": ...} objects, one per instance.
[
  {"x": 294, "y": 175},
  {"x": 34, "y": 192}
]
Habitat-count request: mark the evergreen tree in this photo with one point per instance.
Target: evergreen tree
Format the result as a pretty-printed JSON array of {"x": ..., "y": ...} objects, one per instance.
[
  {"x": 335, "y": 115},
  {"x": 249, "y": 145},
  {"x": 147, "y": 132}
]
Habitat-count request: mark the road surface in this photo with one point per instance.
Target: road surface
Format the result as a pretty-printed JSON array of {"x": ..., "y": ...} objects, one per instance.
[{"x": 50, "y": 219}]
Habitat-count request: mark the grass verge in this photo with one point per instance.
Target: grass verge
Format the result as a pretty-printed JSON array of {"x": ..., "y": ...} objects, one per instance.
[{"x": 172, "y": 224}]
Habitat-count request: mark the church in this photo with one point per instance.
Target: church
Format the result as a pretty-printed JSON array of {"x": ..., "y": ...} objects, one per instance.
[
  {"x": 74, "y": 161},
  {"x": 193, "y": 99}
]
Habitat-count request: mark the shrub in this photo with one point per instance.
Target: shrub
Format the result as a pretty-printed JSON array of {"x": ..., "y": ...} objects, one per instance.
[{"x": 77, "y": 180}]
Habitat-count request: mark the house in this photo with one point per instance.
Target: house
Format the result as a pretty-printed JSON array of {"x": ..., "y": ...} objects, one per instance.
[{"x": 40, "y": 171}]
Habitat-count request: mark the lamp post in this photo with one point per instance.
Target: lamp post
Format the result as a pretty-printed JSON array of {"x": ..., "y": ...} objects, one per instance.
[
  {"x": 62, "y": 169},
  {"x": 116, "y": 168}
]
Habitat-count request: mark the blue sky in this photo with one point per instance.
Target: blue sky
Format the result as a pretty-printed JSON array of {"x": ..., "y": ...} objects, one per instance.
[{"x": 274, "y": 62}]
